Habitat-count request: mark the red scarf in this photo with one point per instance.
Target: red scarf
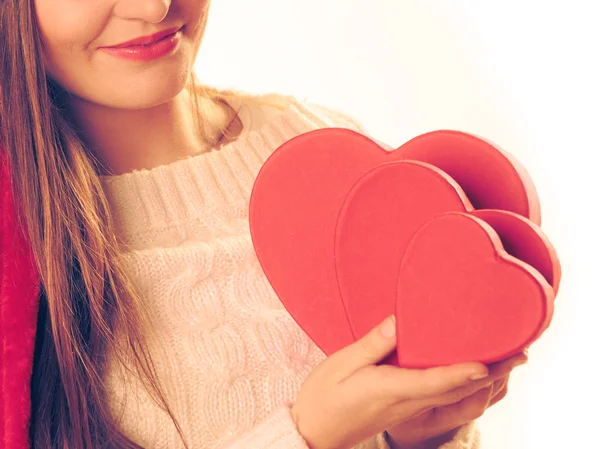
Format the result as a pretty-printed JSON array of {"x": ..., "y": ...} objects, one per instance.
[{"x": 19, "y": 300}]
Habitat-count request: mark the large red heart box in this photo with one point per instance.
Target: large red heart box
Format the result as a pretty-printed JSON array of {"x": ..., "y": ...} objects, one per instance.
[
  {"x": 299, "y": 192},
  {"x": 462, "y": 297}
]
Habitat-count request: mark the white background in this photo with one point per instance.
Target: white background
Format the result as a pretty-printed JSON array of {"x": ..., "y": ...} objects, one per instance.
[{"x": 523, "y": 74}]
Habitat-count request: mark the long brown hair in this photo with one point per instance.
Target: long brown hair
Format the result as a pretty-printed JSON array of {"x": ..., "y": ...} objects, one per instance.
[{"x": 84, "y": 293}]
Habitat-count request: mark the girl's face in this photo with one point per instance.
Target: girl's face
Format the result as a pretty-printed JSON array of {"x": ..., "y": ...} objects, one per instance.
[{"x": 78, "y": 35}]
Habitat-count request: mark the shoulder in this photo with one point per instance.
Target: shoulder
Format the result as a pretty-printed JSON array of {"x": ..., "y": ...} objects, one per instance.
[
  {"x": 337, "y": 117},
  {"x": 269, "y": 104}
]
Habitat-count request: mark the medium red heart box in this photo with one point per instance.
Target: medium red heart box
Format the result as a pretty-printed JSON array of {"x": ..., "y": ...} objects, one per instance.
[{"x": 348, "y": 233}]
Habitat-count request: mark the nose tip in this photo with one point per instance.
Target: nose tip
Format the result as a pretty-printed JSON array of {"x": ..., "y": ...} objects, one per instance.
[
  {"x": 162, "y": 9},
  {"x": 152, "y": 11}
]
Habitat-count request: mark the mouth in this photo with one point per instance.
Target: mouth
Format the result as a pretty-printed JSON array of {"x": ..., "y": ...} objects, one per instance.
[
  {"x": 147, "y": 41},
  {"x": 148, "y": 48}
]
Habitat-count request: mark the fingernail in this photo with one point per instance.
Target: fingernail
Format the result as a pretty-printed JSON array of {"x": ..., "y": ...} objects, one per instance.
[
  {"x": 388, "y": 328},
  {"x": 478, "y": 376}
]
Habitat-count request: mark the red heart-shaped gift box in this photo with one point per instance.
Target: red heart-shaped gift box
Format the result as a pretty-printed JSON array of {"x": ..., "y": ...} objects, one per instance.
[{"x": 333, "y": 214}]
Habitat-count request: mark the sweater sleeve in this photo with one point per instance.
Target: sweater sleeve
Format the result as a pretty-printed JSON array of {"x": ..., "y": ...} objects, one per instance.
[
  {"x": 279, "y": 431},
  {"x": 467, "y": 437}
]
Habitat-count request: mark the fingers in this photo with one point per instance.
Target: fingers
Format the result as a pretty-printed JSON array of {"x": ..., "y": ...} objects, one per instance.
[
  {"x": 465, "y": 410},
  {"x": 370, "y": 349},
  {"x": 406, "y": 384},
  {"x": 471, "y": 407},
  {"x": 497, "y": 372},
  {"x": 499, "y": 396},
  {"x": 499, "y": 384},
  {"x": 500, "y": 391},
  {"x": 509, "y": 363}
]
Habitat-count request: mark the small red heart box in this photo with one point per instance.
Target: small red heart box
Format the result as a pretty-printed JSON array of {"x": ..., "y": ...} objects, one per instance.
[{"x": 461, "y": 297}]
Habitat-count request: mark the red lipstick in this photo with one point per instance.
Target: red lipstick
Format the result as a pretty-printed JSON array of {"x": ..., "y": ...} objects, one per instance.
[{"x": 146, "y": 48}]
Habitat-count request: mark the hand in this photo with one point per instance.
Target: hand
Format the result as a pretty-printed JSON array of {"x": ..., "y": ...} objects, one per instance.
[
  {"x": 438, "y": 424},
  {"x": 349, "y": 398}
]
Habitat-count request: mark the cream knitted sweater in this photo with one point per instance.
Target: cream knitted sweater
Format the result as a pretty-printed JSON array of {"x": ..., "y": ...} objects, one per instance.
[{"x": 228, "y": 355}]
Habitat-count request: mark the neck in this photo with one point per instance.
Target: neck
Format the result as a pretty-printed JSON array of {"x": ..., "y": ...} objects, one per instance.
[{"x": 124, "y": 140}]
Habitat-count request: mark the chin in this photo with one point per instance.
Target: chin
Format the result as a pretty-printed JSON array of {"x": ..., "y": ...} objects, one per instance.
[
  {"x": 151, "y": 94},
  {"x": 148, "y": 90},
  {"x": 139, "y": 89}
]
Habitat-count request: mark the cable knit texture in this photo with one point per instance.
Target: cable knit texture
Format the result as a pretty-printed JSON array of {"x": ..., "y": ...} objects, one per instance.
[{"x": 229, "y": 356}]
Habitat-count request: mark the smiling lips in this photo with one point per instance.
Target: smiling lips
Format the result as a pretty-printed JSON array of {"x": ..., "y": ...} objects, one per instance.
[{"x": 148, "y": 47}]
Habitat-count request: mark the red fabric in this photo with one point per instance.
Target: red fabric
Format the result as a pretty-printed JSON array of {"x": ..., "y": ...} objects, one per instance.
[{"x": 19, "y": 300}]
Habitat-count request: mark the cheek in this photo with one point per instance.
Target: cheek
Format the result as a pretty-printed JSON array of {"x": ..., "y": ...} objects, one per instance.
[{"x": 67, "y": 28}]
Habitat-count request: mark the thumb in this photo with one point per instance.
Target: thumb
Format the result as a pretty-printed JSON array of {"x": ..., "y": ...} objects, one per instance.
[{"x": 368, "y": 350}]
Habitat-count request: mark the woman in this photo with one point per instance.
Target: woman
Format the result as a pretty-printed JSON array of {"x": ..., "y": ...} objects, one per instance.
[{"x": 134, "y": 312}]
